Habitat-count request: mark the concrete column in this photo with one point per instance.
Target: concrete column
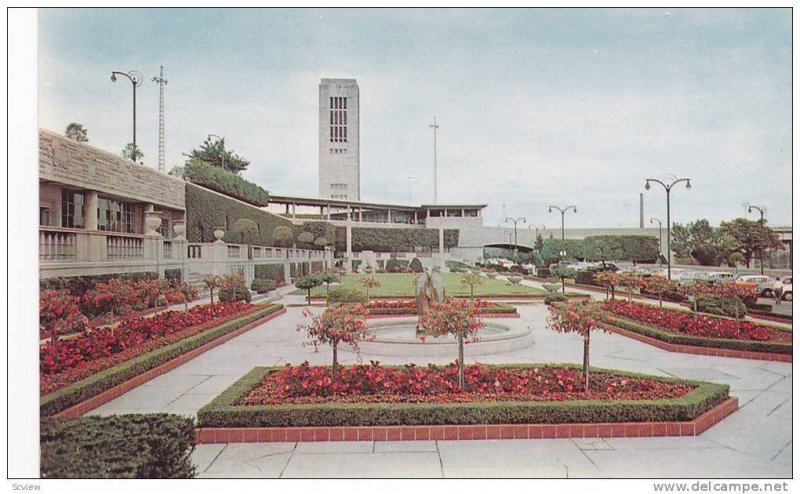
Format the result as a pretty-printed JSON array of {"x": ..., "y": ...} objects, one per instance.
[
  {"x": 90, "y": 210},
  {"x": 294, "y": 211},
  {"x": 349, "y": 252},
  {"x": 388, "y": 216},
  {"x": 360, "y": 210},
  {"x": 287, "y": 271},
  {"x": 329, "y": 212},
  {"x": 441, "y": 248}
]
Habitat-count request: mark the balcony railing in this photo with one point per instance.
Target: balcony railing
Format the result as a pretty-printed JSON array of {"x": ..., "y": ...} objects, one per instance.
[
  {"x": 124, "y": 247},
  {"x": 56, "y": 245}
]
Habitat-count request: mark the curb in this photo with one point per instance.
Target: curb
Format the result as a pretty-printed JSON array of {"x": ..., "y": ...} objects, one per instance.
[
  {"x": 694, "y": 427},
  {"x": 100, "y": 399}
]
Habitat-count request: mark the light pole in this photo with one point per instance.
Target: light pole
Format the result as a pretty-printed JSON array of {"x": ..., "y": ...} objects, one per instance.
[
  {"x": 760, "y": 209},
  {"x": 136, "y": 81},
  {"x": 668, "y": 188},
  {"x": 515, "y": 221},
  {"x": 659, "y": 237},
  {"x": 221, "y": 141},
  {"x": 563, "y": 212}
]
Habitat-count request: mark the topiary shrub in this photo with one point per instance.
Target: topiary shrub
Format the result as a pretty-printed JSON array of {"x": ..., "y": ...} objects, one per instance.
[
  {"x": 346, "y": 296},
  {"x": 133, "y": 446},
  {"x": 720, "y": 306},
  {"x": 308, "y": 283},
  {"x": 457, "y": 266},
  {"x": 416, "y": 265},
  {"x": 551, "y": 287},
  {"x": 395, "y": 265},
  {"x": 555, "y": 297}
]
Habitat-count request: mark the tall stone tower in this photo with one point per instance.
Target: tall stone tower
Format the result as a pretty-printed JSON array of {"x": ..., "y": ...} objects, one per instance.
[{"x": 339, "y": 142}]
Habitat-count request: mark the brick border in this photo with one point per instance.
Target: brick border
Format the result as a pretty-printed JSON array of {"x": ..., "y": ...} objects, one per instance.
[
  {"x": 100, "y": 399},
  {"x": 698, "y": 350},
  {"x": 695, "y": 427}
]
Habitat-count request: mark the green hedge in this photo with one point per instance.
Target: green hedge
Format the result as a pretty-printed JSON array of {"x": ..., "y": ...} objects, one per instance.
[
  {"x": 720, "y": 306},
  {"x": 225, "y": 182},
  {"x": 68, "y": 396},
  {"x": 222, "y": 413},
  {"x": 394, "y": 239},
  {"x": 317, "y": 230},
  {"x": 346, "y": 295},
  {"x": 126, "y": 446},
  {"x": 666, "y": 336},
  {"x": 78, "y": 285},
  {"x": 206, "y": 210},
  {"x": 269, "y": 272}
]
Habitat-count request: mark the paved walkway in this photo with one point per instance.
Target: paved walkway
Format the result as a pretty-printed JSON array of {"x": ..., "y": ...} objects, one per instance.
[{"x": 753, "y": 442}]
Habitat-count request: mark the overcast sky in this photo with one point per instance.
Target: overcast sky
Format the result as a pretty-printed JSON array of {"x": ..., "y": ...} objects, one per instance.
[{"x": 535, "y": 107}]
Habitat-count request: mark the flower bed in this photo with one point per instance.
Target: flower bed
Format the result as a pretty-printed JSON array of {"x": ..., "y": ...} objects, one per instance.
[
  {"x": 520, "y": 393},
  {"x": 687, "y": 328},
  {"x": 152, "y": 344},
  {"x": 408, "y": 306}
]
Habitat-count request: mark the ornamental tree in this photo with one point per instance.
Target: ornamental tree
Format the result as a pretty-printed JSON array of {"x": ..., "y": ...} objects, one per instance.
[
  {"x": 457, "y": 317},
  {"x": 308, "y": 283},
  {"x": 471, "y": 279},
  {"x": 369, "y": 282},
  {"x": 608, "y": 279},
  {"x": 738, "y": 292},
  {"x": 345, "y": 323},
  {"x": 182, "y": 293},
  {"x": 694, "y": 290},
  {"x": 581, "y": 317},
  {"x": 562, "y": 273},
  {"x": 211, "y": 282},
  {"x": 630, "y": 282},
  {"x": 659, "y": 286},
  {"x": 328, "y": 277}
]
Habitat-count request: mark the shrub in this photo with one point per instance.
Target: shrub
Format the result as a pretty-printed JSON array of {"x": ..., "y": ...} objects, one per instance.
[
  {"x": 551, "y": 287},
  {"x": 232, "y": 288},
  {"x": 395, "y": 265},
  {"x": 269, "y": 272},
  {"x": 124, "y": 446},
  {"x": 514, "y": 280},
  {"x": 282, "y": 235},
  {"x": 394, "y": 239},
  {"x": 78, "y": 285},
  {"x": 416, "y": 265},
  {"x": 346, "y": 296},
  {"x": 225, "y": 182},
  {"x": 173, "y": 276},
  {"x": 556, "y": 297},
  {"x": 711, "y": 304},
  {"x": 585, "y": 277},
  {"x": 262, "y": 286},
  {"x": 457, "y": 266}
]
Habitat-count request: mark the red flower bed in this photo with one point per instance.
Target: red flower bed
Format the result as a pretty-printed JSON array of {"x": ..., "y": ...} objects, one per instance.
[
  {"x": 687, "y": 323},
  {"x": 409, "y": 306},
  {"x": 68, "y": 361},
  {"x": 373, "y": 383}
]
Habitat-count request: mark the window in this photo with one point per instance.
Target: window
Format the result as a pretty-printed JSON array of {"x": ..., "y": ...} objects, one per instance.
[
  {"x": 338, "y": 196},
  {"x": 71, "y": 209},
  {"x": 115, "y": 216},
  {"x": 338, "y": 119},
  {"x": 44, "y": 216}
]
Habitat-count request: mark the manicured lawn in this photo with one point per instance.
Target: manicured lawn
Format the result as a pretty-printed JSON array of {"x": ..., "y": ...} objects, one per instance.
[{"x": 402, "y": 285}]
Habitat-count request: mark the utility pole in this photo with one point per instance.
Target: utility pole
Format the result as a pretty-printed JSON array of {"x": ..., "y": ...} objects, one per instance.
[
  {"x": 435, "y": 127},
  {"x": 161, "y": 83}
]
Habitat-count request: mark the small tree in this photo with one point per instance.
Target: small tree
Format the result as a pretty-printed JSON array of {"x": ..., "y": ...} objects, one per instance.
[
  {"x": 283, "y": 236},
  {"x": 630, "y": 282},
  {"x": 695, "y": 289},
  {"x": 562, "y": 273},
  {"x": 738, "y": 292},
  {"x": 471, "y": 279},
  {"x": 76, "y": 132},
  {"x": 308, "y": 283},
  {"x": 345, "y": 323},
  {"x": 609, "y": 280},
  {"x": 211, "y": 282},
  {"x": 328, "y": 277},
  {"x": 183, "y": 293},
  {"x": 457, "y": 317},
  {"x": 369, "y": 282},
  {"x": 581, "y": 317},
  {"x": 659, "y": 286}
]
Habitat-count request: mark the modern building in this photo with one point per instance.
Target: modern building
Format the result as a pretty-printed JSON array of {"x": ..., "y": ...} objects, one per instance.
[{"x": 339, "y": 140}]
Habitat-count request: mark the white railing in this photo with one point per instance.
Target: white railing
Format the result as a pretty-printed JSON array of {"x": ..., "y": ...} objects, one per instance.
[
  {"x": 124, "y": 247},
  {"x": 56, "y": 245},
  {"x": 168, "y": 249},
  {"x": 194, "y": 251},
  {"x": 234, "y": 252}
]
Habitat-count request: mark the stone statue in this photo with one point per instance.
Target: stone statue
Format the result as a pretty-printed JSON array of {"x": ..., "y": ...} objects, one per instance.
[{"x": 429, "y": 289}]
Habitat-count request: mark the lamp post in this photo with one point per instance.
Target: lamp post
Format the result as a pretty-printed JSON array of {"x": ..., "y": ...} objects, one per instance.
[
  {"x": 515, "y": 221},
  {"x": 760, "y": 209},
  {"x": 659, "y": 237},
  {"x": 136, "y": 81},
  {"x": 222, "y": 147},
  {"x": 668, "y": 188},
  {"x": 563, "y": 212}
]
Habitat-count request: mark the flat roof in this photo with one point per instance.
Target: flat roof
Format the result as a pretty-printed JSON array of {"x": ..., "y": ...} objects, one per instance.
[{"x": 311, "y": 201}]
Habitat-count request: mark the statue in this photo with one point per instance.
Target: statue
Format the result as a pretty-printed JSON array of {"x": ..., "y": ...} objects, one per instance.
[{"x": 429, "y": 289}]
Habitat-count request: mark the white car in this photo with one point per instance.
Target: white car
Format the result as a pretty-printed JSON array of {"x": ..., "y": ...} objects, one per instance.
[
  {"x": 686, "y": 277},
  {"x": 764, "y": 283},
  {"x": 719, "y": 277},
  {"x": 787, "y": 289}
]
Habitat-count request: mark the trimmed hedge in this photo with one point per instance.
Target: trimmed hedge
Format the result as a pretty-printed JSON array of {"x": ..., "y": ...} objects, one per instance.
[
  {"x": 206, "y": 210},
  {"x": 75, "y": 393},
  {"x": 719, "y": 306},
  {"x": 262, "y": 286},
  {"x": 346, "y": 295},
  {"x": 666, "y": 336},
  {"x": 555, "y": 297},
  {"x": 225, "y": 182},
  {"x": 394, "y": 239},
  {"x": 272, "y": 272},
  {"x": 222, "y": 413},
  {"x": 156, "y": 446},
  {"x": 78, "y": 285},
  {"x": 395, "y": 265}
]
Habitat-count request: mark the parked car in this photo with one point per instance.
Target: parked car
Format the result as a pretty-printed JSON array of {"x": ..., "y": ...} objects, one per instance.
[
  {"x": 719, "y": 277},
  {"x": 787, "y": 289},
  {"x": 686, "y": 277},
  {"x": 763, "y": 282}
]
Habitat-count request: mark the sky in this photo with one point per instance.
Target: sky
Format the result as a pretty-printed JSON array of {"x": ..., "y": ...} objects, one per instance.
[{"x": 535, "y": 106}]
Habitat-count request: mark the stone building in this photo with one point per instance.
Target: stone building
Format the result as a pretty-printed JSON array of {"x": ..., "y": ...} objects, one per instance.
[{"x": 339, "y": 141}]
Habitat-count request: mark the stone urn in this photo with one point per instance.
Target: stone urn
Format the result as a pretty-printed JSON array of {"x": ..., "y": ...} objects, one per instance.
[
  {"x": 179, "y": 227},
  {"x": 151, "y": 222},
  {"x": 219, "y": 232}
]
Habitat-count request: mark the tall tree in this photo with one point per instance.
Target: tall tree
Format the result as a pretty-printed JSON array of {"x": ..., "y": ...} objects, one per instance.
[
  {"x": 76, "y": 132},
  {"x": 748, "y": 237},
  {"x": 214, "y": 153},
  {"x": 132, "y": 153},
  {"x": 538, "y": 245},
  {"x": 700, "y": 241}
]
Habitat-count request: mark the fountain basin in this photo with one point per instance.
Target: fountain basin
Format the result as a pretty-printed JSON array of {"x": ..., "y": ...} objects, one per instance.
[{"x": 397, "y": 337}]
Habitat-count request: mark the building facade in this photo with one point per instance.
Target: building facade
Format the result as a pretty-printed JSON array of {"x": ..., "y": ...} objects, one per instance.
[{"x": 339, "y": 140}]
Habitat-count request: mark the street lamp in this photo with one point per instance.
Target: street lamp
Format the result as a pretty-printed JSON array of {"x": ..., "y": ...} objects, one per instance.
[
  {"x": 668, "y": 188},
  {"x": 659, "y": 237},
  {"x": 222, "y": 147},
  {"x": 516, "y": 248},
  {"x": 562, "y": 211},
  {"x": 760, "y": 209},
  {"x": 136, "y": 80}
]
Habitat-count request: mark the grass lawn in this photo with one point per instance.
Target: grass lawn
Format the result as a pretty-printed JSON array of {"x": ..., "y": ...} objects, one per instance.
[{"x": 402, "y": 284}]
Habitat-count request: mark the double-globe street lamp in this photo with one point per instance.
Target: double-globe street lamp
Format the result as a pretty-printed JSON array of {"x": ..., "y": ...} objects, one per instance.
[
  {"x": 668, "y": 188},
  {"x": 563, "y": 211},
  {"x": 659, "y": 236},
  {"x": 515, "y": 221},
  {"x": 760, "y": 209},
  {"x": 136, "y": 81}
]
